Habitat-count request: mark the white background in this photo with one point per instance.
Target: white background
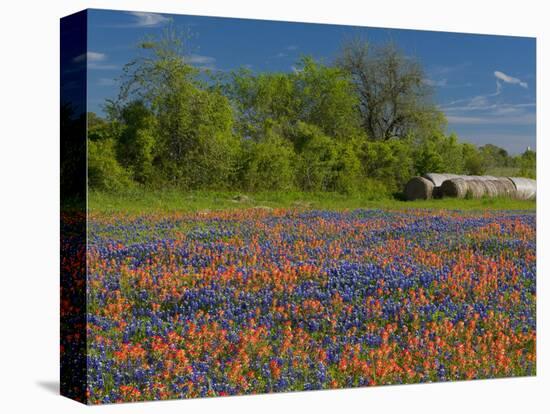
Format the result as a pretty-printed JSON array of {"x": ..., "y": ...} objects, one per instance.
[{"x": 29, "y": 194}]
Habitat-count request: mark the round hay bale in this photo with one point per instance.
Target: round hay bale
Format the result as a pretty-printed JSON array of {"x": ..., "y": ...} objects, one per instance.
[
  {"x": 491, "y": 189},
  {"x": 419, "y": 188},
  {"x": 455, "y": 187},
  {"x": 505, "y": 187},
  {"x": 526, "y": 188},
  {"x": 437, "y": 179},
  {"x": 476, "y": 189}
]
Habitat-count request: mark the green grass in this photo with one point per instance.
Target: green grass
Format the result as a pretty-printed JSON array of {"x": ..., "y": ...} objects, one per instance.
[
  {"x": 504, "y": 171},
  {"x": 173, "y": 200}
]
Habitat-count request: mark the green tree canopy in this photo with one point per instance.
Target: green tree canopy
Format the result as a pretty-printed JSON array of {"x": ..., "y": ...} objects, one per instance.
[
  {"x": 314, "y": 93},
  {"x": 174, "y": 124}
]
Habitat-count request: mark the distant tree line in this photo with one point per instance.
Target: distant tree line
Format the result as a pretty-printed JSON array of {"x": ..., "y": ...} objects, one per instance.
[{"x": 366, "y": 123}]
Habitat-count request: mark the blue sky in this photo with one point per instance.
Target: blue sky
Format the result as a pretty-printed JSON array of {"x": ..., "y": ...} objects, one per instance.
[{"x": 486, "y": 85}]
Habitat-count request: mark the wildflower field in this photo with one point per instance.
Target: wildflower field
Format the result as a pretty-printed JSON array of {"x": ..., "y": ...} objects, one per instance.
[{"x": 183, "y": 305}]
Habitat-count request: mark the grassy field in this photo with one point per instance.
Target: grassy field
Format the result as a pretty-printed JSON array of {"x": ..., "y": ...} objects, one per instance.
[
  {"x": 172, "y": 200},
  {"x": 504, "y": 171}
]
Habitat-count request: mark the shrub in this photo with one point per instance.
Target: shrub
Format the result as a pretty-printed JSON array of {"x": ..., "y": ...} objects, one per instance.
[
  {"x": 347, "y": 169},
  {"x": 268, "y": 164},
  {"x": 104, "y": 171},
  {"x": 316, "y": 160}
]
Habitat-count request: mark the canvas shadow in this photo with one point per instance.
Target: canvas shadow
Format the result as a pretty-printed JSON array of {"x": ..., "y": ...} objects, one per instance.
[{"x": 50, "y": 386}]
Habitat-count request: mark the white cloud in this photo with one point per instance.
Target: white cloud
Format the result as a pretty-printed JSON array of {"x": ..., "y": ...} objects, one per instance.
[
  {"x": 494, "y": 112},
  {"x": 489, "y": 110},
  {"x": 493, "y": 119},
  {"x": 94, "y": 60},
  {"x": 200, "y": 59},
  {"x": 202, "y": 62},
  {"x": 481, "y": 103},
  {"x": 478, "y": 102},
  {"x": 444, "y": 70},
  {"x": 509, "y": 79},
  {"x": 90, "y": 57},
  {"x": 432, "y": 82},
  {"x": 144, "y": 19}
]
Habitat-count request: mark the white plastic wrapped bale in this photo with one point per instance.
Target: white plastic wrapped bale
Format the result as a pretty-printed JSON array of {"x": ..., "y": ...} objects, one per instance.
[
  {"x": 526, "y": 188},
  {"x": 479, "y": 177}
]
